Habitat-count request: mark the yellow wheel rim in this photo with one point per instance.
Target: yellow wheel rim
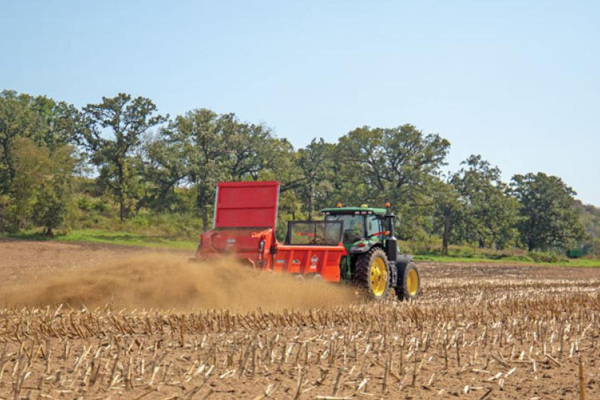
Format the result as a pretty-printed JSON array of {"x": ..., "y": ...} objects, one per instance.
[
  {"x": 378, "y": 277},
  {"x": 412, "y": 282}
]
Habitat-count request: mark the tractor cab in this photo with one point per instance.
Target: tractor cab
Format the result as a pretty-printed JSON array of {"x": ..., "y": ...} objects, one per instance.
[
  {"x": 362, "y": 224},
  {"x": 366, "y": 227}
]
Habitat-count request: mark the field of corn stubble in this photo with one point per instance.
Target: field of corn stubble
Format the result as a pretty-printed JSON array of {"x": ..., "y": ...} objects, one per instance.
[{"x": 478, "y": 332}]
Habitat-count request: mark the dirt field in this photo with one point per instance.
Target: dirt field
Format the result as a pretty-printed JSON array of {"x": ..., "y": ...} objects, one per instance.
[{"x": 146, "y": 324}]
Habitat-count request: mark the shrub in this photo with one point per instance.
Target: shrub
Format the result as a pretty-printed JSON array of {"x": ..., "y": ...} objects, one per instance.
[
  {"x": 540, "y": 256},
  {"x": 84, "y": 203}
]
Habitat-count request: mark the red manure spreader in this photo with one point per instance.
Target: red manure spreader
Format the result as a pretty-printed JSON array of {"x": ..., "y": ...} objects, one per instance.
[{"x": 351, "y": 244}]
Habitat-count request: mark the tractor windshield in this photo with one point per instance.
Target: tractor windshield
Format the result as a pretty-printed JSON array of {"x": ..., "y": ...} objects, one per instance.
[
  {"x": 373, "y": 225},
  {"x": 354, "y": 226}
]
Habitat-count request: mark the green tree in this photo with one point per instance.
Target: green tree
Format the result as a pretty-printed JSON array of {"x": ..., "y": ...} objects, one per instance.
[
  {"x": 127, "y": 119},
  {"x": 43, "y": 120},
  {"x": 488, "y": 214},
  {"x": 590, "y": 218},
  {"x": 57, "y": 122},
  {"x": 41, "y": 192},
  {"x": 15, "y": 120},
  {"x": 348, "y": 187},
  {"x": 28, "y": 166},
  {"x": 208, "y": 148},
  {"x": 447, "y": 211},
  {"x": 549, "y": 218},
  {"x": 315, "y": 163},
  {"x": 248, "y": 147},
  {"x": 164, "y": 171},
  {"x": 284, "y": 167},
  {"x": 396, "y": 164},
  {"x": 55, "y": 193},
  {"x": 197, "y": 139},
  {"x": 37, "y": 126}
]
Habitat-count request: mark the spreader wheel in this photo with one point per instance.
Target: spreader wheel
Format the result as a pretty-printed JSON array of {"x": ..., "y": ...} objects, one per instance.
[
  {"x": 373, "y": 273},
  {"x": 409, "y": 282}
]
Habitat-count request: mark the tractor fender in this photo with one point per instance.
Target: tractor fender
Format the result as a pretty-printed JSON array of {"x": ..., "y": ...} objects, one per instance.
[
  {"x": 355, "y": 250},
  {"x": 402, "y": 260}
]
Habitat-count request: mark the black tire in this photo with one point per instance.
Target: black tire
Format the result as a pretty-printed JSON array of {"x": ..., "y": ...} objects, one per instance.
[
  {"x": 368, "y": 275},
  {"x": 407, "y": 289}
]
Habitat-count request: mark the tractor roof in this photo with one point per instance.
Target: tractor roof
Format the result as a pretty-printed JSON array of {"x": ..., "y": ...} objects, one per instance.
[{"x": 352, "y": 210}]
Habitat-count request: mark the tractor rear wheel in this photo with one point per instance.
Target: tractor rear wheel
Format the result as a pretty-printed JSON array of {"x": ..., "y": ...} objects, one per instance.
[
  {"x": 373, "y": 273},
  {"x": 409, "y": 282}
]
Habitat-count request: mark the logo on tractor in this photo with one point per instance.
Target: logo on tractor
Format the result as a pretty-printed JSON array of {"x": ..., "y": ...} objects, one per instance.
[
  {"x": 313, "y": 262},
  {"x": 231, "y": 241}
]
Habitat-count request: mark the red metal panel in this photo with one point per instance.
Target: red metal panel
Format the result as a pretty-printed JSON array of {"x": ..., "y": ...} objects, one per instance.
[
  {"x": 246, "y": 205},
  {"x": 323, "y": 260}
]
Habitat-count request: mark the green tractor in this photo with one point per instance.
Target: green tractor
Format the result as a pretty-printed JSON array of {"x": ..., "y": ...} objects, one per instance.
[{"x": 373, "y": 261}]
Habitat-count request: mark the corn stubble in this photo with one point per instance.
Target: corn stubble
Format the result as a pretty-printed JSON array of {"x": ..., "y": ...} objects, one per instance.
[{"x": 469, "y": 338}]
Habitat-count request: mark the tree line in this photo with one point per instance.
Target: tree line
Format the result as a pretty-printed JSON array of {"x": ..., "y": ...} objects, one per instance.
[{"x": 143, "y": 161}]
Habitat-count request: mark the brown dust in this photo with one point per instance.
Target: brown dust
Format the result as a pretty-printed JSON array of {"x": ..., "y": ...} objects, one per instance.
[{"x": 167, "y": 282}]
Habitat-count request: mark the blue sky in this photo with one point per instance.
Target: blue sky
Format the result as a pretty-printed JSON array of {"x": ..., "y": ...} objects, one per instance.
[{"x": 515, "y": 81}]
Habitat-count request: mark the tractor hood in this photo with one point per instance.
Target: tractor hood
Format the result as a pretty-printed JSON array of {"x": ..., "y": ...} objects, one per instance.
[{"x": 246, "y": 205}]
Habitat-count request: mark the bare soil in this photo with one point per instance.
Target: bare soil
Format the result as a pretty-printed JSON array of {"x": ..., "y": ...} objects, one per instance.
[{"x": 104, "y": 321}]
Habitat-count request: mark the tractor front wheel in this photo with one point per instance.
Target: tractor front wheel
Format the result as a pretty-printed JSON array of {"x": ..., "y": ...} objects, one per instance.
[
  {"x": 409, "y": 282},
  {"x": 373, "y": 273}
]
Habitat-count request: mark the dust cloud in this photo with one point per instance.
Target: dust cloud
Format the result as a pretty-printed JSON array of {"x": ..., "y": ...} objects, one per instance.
[{"x": 168, "y": 282}]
